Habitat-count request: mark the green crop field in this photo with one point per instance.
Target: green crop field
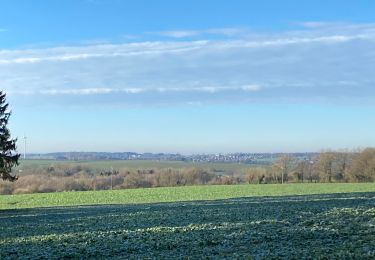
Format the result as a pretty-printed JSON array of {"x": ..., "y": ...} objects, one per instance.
[
  {"x": 173, "y": 194},
  {"x": 242, "y": 221}
]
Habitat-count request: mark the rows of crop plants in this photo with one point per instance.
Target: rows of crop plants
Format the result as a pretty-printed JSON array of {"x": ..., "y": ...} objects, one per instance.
[{"x": 339, "y": 226}]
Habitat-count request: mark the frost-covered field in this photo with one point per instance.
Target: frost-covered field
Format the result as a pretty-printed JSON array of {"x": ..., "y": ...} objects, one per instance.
[{"x": 309, "y": 226}]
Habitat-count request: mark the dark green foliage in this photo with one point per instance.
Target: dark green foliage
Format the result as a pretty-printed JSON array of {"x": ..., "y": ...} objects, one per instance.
[
  {"x": 331, "y": 226},
  {"x": 8, "y": 156}
]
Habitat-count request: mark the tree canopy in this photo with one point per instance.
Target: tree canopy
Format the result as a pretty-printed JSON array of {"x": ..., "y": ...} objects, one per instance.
[{"x": 8, "y": 155}]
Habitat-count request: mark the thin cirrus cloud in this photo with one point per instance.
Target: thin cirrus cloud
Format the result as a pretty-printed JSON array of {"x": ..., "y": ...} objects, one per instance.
[
  {"x": 320, "y": 63},
  {"x": 178, "y": 34},
  {"x": 92, "y": 91},
  {"x": 229, "y": 31}
]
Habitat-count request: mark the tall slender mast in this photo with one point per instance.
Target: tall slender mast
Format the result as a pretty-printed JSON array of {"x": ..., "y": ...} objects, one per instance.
[{"x": 24, "y": 151}]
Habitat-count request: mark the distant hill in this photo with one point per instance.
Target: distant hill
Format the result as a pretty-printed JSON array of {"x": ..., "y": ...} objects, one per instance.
[{"x": 248, "y": 158}]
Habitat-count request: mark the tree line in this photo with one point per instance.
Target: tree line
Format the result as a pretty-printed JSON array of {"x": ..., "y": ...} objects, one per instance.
[{"x": 327, "y": 166}]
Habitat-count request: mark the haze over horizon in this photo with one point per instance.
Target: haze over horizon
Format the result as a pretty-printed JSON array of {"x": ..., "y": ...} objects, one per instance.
[{"x": 189, "y": 76}]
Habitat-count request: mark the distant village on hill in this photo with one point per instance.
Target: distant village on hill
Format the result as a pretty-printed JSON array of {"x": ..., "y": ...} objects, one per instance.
[{"x": 246, "y": 158}]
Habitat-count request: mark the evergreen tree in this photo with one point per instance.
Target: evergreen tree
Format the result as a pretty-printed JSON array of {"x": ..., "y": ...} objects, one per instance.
[{"x": 8, "y": 155}]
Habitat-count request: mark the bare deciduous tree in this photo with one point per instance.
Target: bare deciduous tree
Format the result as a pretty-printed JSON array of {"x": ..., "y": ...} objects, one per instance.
[
  {"x": 284, "y": 165},
  {"x": 325, "y": 164},
  {"x": 363, "y": 167}
]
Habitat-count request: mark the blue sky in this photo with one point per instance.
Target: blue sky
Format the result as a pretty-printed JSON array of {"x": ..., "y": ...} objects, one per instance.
[{"x": 189, "y": 76}]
